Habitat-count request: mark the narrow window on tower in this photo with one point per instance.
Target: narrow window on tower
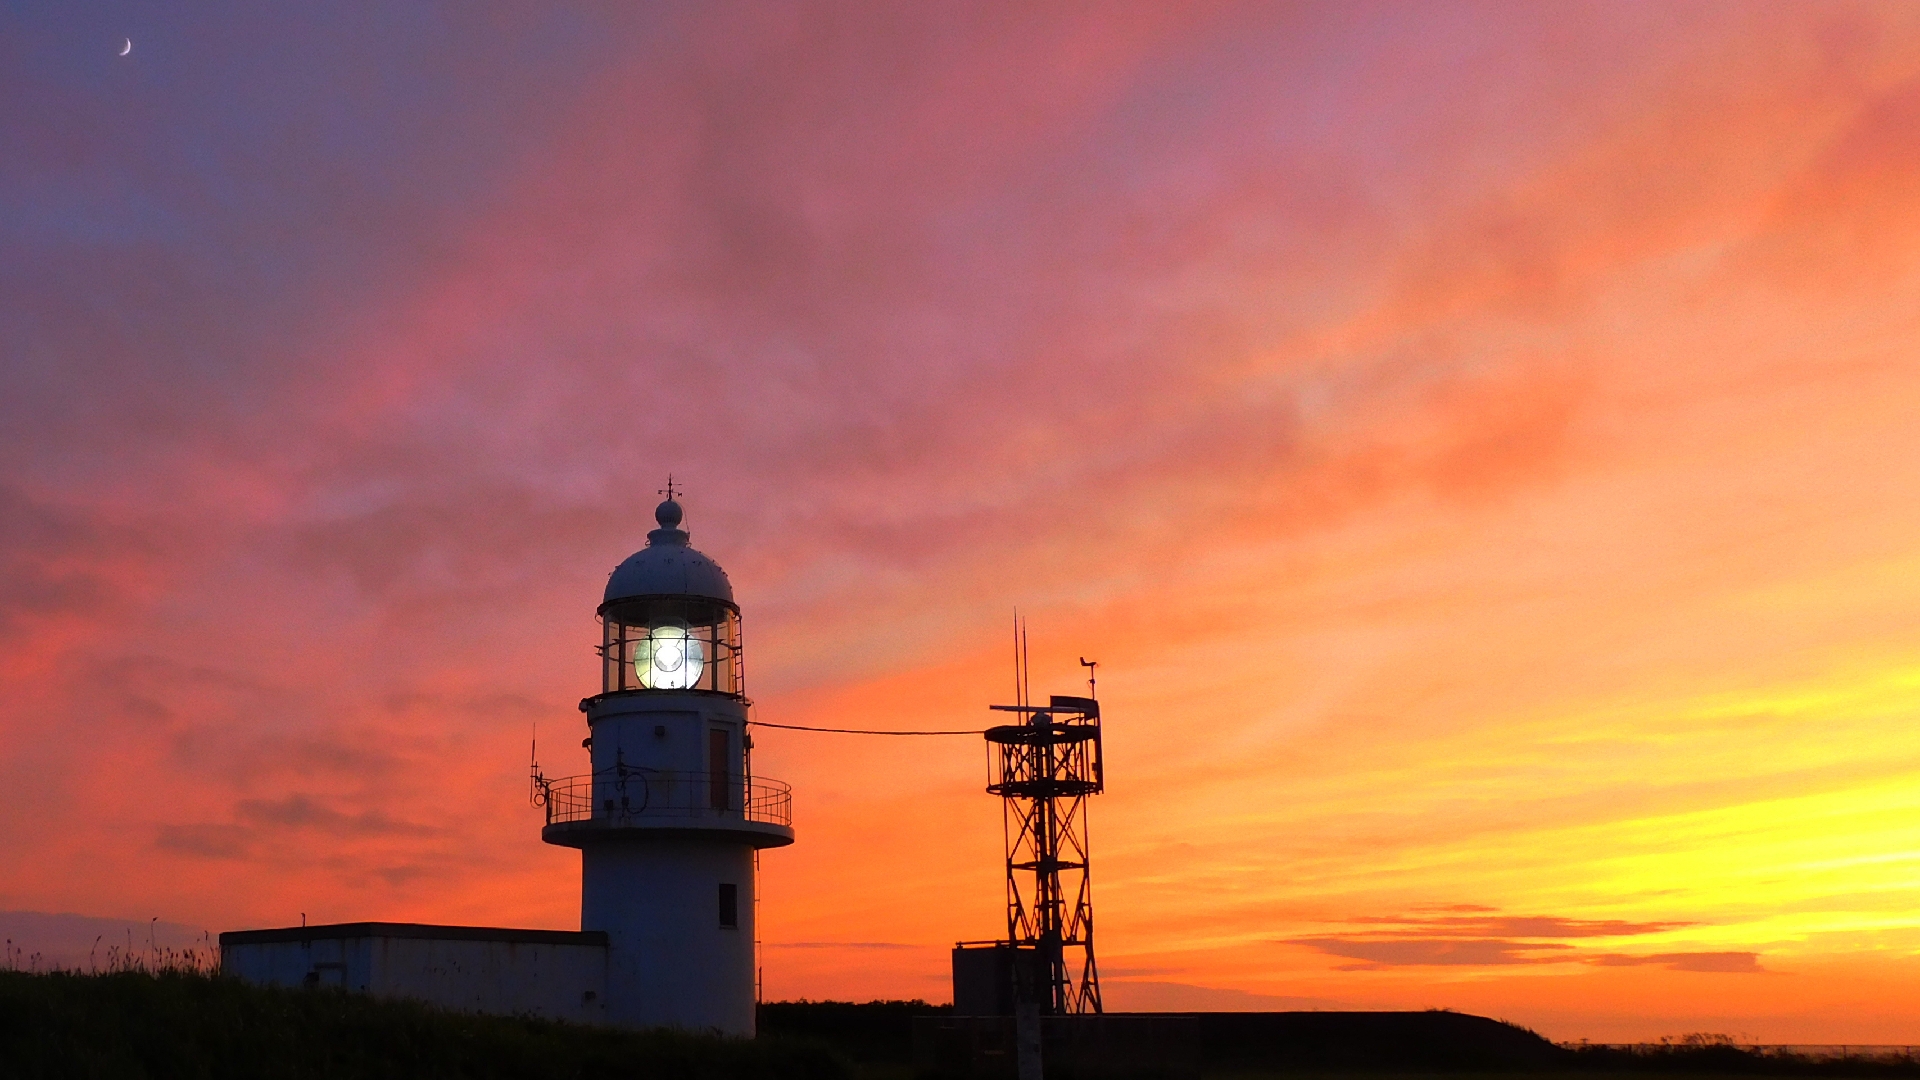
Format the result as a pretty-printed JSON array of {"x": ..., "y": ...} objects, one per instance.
[{"x": 729, "y": 906}]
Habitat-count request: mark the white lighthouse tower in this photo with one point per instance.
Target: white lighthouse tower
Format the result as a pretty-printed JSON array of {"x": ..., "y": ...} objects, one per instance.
[{"x": 670, "y": 818}]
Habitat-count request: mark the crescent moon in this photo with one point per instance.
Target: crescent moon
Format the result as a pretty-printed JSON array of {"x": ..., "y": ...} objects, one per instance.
[{"x": 127, "y": 48}]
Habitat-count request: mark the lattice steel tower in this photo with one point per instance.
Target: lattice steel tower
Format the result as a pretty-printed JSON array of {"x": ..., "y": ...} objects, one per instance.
[{"x": 1044, "y": 767}]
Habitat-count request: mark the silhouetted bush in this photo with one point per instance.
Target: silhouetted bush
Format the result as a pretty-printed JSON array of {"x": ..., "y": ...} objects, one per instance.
[
  {"x": 1719, "y": 1054},
  {"x": 869, "y": 1031}
]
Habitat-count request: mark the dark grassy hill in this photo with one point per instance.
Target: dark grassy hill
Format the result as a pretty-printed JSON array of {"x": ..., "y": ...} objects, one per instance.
[
  {"x": 179, "y": 1025},
  {"x": 1342, "y": 1041},
  {"x": 878, "y": 1037},
  {"x": 1322, "y": 1042}
]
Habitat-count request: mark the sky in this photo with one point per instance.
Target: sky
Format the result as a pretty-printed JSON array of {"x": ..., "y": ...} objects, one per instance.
[{"x": 1476, "y": 441}]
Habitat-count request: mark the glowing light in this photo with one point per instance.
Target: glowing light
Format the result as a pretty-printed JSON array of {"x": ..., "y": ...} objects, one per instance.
[{"x": 668, "y": 659}]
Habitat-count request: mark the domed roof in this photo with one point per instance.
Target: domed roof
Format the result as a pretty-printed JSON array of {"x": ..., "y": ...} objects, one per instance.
[{"x": 667, "y": 566}]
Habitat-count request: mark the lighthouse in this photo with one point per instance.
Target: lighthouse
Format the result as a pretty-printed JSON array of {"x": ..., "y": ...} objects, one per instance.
[{"x": 669, "y": 821}]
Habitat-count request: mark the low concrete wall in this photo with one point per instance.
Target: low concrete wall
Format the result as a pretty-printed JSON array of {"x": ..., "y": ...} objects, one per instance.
[
  {"x": 1135, "y": 1045},
  {"x": 557, "y": 974},
  {"x": 1122, "y": 1046}
]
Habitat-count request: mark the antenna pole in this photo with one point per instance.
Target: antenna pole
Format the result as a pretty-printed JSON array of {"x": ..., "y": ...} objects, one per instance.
[{"x": 1020, "y": 659}]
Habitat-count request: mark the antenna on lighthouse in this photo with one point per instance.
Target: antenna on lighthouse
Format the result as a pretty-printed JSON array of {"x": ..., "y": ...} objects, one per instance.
[{"x": 539, "y": 788}]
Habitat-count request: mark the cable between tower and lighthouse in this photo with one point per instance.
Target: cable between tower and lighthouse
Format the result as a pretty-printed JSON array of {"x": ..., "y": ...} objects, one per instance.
[{"x": 861, "y": 731}]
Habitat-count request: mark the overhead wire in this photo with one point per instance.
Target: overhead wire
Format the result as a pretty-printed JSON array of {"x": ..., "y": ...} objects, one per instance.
[{"x": 861, "y": 731}]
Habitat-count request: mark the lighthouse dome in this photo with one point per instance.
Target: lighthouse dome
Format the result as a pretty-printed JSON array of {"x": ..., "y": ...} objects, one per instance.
[{"x": 667, "y": 566}]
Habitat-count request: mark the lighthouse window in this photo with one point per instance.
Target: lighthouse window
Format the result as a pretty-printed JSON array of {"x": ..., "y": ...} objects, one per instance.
[{"x": 729, "y": 905}]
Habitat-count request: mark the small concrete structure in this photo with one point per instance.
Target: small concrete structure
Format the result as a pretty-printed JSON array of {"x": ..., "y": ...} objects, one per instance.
[{"x": 556, "y": 974}]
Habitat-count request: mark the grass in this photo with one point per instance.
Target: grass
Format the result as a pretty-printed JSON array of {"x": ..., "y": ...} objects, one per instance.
[
  {"x": 178, "y": 1019},
  {"x": 169, "y": 1024}
]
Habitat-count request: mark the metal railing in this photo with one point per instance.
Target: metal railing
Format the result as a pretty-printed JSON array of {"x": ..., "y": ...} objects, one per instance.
[{"x": 629, "y": 794}]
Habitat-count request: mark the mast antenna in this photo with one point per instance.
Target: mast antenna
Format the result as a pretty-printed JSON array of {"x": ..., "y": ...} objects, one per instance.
[{"x": 1044, "y": 766}]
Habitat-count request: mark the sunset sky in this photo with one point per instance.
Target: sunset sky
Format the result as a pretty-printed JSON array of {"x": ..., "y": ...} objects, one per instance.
[{"x": 1480, "y": 443}]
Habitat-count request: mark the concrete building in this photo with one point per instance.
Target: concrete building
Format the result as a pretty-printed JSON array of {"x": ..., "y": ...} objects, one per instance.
[
  {"x": 668, "y": 822},
  {"x": 557, "y": 974}
]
